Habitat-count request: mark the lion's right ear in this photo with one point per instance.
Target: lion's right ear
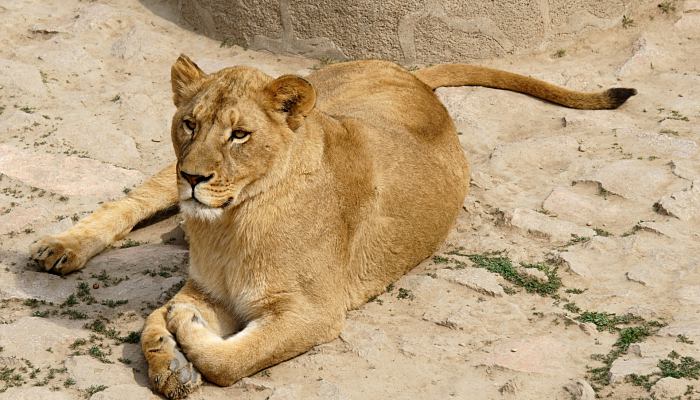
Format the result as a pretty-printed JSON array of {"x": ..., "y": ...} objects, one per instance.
[{"x": 186, "y": 79}]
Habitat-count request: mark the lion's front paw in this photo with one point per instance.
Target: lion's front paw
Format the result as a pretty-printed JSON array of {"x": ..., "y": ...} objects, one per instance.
[
  {"x": 185, "y": 321},
  {"x": 58, "y": 254},
  {"x": 169, "y": 370}
]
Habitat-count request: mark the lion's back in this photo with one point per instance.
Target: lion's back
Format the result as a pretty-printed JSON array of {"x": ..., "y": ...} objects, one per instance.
[{"x": 417, "y": 170}]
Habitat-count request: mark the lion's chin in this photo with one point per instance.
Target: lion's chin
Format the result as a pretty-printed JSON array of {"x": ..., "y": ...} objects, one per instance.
[{"x": 196, "y": 210}]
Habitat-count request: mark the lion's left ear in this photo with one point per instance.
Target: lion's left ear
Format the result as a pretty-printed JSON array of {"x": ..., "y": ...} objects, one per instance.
[{"x": 292, "y": 95}]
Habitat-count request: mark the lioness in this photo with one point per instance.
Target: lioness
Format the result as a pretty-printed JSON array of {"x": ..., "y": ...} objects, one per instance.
[{"x": 302, "y": 198}]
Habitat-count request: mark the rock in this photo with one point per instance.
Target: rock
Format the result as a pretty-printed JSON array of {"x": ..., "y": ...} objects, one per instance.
[
  {"x": 568, "y": 204},
  {"x": 577, "y": 263},
  {"x": 669, "y": 388},
  {"x": 477, "y": 279},
  {"x": 644, "y": 56},
  {"x": 533, "y": 154},
  {"x": 22, "y": 77},
  {"x": 29, "y": 337},
  {"x": 656, "y": 144},
  {"x": 684, "y": 205},
  {"x": 88, "y": 371},
  {"x": 532, "y": 354},
  {"x": 367, "y": 341},
  {"x": 689, "y": 23},
  {"x": 691, "y": 6},
  {"x": 35, "y": 285},
  {"x": 511, "y": 387},
  {"x": 552, "y": 228},
  {"x": 686, "y": 169},
  {"x": 124, "y": 391},
  {"x": 646, "y": 273},
  {"x": 34, "y": 393},
  {"x": 19, "y": 217},
  {"x": 685, "y": 325},
  {"x": 633, "y": 180},
  {"x": 580, "y": 390},
  {"x": 689, "y": 294},
  {"x": 624, "y": 367},
  {"x": 151, "y": 269},
  {"x": 69, "y": 176}
]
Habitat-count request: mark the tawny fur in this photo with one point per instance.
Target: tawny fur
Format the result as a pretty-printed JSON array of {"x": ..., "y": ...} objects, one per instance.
[{"x": 347, "y": 180}]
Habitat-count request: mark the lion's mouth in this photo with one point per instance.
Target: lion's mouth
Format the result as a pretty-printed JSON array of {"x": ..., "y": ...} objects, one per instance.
[
  {"x": 226, "y": 203},
  {"x": 203, "y": 204}
]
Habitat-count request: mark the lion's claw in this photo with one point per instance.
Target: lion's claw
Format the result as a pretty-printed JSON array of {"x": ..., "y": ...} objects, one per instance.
[{"x": 57, "y": 255}]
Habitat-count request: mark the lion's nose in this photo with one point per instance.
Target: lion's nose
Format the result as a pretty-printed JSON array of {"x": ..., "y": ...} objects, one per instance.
[{"x": 195, "y": 179}]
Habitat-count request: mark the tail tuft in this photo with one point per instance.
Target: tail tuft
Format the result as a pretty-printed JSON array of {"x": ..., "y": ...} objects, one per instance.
[{"x": 617, "y": 96}]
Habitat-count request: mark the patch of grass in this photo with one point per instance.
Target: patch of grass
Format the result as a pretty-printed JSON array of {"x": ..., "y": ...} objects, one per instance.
[
  {"x": 627, "y": 22},
  {"x": 33, "y": 303},
  {"x": 390, "y": 287},
  {"x": 69, "y": 382},
  {"x": 607, "y": 321},
  {"x": 26, "y": 109},
  {"x": 684, "y": 339},
  {"x": 667, "y": 7},
  {"x": 602, "y": 232},
  {"x": 70, "y": 301},
  {"x": 74, "y": 314},
  {"x": 634, "y": 334},
  {"x": 41, "y": 314},
  {"x": 572, "y": 307},
  {"x": 83, "y": 293},
  {"x": 575, "y": 291},
  {"x": 130, "y": 243},
  {"x": 10, "y": 378},
  {"x": 113, "y": 303},
  {"x": 504, "y": 267},
  {"x": 669, "y": 132},
  {"x": 440, "y": 260},
  {"x": 685, "y": 367},
  {"x": 107, "y": 280},
  {"x": 576, "y": 239},
  {"x": 163, "y": 270},
  {"x": 644, "y": 381},
  {"x": 124, "y": 360},
  {"x": 228, "y": 42},
  {"x": 77, "y": 343},
  {"x": 115, "y": 98},
  {"x": 559, "y": 53},
  {"x": 97, "y": 353},
  {"x": 132, "y": 337},
  {"x": 94, "y": 389},
  {"x": 405, "y": 294},
  {"x": 642, "y": 329}
]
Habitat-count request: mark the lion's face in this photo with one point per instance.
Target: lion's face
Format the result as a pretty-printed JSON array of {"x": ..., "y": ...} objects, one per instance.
[{"x": 232, "y": 133}]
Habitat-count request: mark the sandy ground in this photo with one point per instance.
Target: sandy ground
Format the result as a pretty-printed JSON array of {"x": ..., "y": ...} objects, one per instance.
[{"x": 607, "y": 201}]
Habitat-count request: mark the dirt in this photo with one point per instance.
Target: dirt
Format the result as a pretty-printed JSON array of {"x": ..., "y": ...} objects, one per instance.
[{"x": 573, "y": 267}]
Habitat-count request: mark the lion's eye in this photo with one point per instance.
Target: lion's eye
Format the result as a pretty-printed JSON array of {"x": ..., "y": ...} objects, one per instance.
[
  {"x": 189, "y": 125},
  {"x": 238, "y": 135}
]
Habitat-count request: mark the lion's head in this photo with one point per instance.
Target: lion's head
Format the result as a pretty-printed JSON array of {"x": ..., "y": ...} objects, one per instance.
[{"x": 232, "y": 132}]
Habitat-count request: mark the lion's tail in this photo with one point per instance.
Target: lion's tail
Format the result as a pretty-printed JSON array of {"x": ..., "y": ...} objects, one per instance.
[{"x": 472, "y": 75}]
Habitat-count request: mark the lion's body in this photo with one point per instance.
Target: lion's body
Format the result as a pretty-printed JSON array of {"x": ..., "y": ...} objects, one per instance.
[{"x": 347, "y": 181}]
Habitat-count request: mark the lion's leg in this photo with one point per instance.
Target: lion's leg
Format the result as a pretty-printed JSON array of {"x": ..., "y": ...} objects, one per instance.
[
  {"x": 70, "y": 250},
  {"x": 266, "y": 341},
  {"x": 169, "y": 370}
]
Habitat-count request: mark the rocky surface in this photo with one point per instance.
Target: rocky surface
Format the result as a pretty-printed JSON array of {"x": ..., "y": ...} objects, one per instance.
[{"x": 604, "y": 203}]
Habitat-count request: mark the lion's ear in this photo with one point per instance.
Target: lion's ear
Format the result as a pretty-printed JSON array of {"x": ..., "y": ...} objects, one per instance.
[
  {"x": 186, "y": 78},
  {"x": 291, "y": 95}
]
